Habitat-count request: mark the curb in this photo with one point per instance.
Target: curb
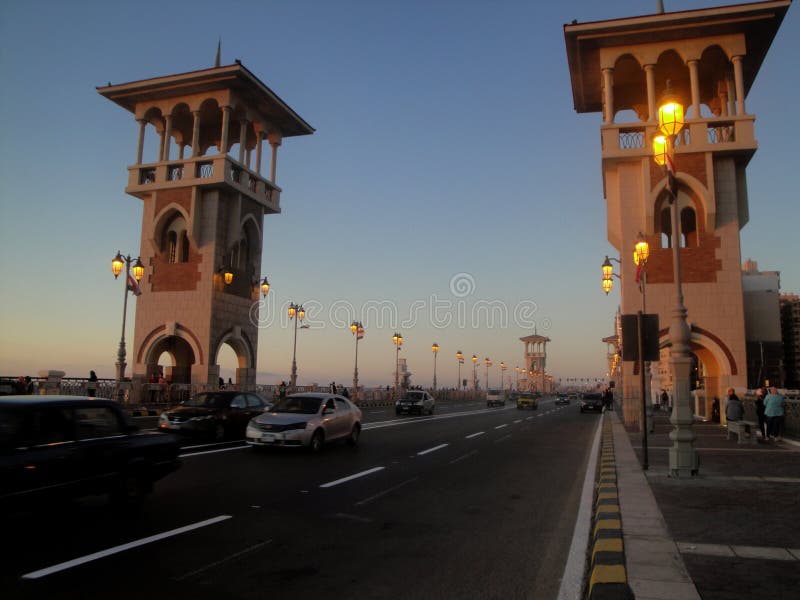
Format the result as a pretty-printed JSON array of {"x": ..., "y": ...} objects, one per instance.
[{"x": 608, "y": 578}]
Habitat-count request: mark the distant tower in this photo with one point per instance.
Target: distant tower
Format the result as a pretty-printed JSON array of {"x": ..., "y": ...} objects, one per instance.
[
  {"x": 203, "y": 215},
  {"x": 711, "y": 57},
  {"x": 535, "y": 363}
]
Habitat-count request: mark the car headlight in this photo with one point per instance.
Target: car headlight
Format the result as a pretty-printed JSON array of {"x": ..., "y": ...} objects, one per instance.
[
  {"x": 293, "y": 426},
  {"x": 162, "y": 418}
]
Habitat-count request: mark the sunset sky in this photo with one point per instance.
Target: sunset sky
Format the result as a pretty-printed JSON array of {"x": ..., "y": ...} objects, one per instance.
[{"x": 450, "y": 191}]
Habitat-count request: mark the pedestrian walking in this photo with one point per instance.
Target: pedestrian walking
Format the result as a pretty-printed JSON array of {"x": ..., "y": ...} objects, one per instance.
[
  {"x": 773, "y": 410},
  {"x": 762, "y": 420},
  {"x": 333, "y": 387},
  {"x": 734, "y": 409},
  {"x": 664, "y": 400},
  {"x": 91, "y": 387},
  {"x": 282, "y": 390}
]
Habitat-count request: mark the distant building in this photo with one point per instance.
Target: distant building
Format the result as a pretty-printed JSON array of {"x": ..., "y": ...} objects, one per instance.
[
  {"x": 762, "y": 318},
  {"x": 790, "y": 330}
]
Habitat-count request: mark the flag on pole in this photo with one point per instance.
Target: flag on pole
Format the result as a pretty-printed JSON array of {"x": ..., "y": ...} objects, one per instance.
[
  {"x": 133, "y": 285},
  {"x": 360, "y": 333}
]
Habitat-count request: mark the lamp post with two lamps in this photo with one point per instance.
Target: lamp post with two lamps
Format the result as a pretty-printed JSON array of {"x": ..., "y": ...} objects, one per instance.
[
  {"x": 357, "y": 329},
  {"x": 296, "y": 313},
  {"x": 398, "y": 341},
  {"x": 502, "y": 375},
  {"x": 133, "y": 275},
  {"x": 460, "y": 358},
  {"x": 487, "y": 363},
  {"x": 435, "y": 350},
  {"x": 683, "y": 461},
  {"x": 474, "y": 372}
]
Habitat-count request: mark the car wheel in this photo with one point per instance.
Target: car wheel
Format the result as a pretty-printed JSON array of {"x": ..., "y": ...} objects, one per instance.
[
  {"x": 219, "y": 432},
  {"x": 317, "y": 440},
  {"x": 355, "y": 434}
]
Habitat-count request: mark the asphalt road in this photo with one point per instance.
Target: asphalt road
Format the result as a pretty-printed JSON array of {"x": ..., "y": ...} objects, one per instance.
[{"x": 467, "y": 503}]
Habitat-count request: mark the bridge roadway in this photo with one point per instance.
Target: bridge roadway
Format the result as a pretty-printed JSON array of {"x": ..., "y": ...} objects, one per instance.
[{"x": 468, "y": 503}]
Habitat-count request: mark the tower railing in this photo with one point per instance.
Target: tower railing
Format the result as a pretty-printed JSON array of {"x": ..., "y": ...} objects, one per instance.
[{"x": 203, "y": 171}]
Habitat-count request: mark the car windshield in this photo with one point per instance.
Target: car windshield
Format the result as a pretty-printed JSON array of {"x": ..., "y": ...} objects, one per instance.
[
  {"x": 304, "y": 405},
  {"x": 494, "y": 392},
  {"x": 206, "y": 401},
  {"x": 413, "y": 396}
]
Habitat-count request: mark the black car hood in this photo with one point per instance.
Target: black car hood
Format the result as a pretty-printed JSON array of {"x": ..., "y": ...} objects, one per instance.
[{"x": 192, "y": 411}]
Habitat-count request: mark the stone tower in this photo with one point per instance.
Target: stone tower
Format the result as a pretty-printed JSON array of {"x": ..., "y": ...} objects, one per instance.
[
  {"x": 711, "y": 57},
  {"x": 535, "y": 363},
  {"x": 204, "y": 198}
]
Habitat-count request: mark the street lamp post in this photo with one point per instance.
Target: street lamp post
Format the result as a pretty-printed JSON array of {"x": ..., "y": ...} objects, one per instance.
[
  {"x": 640, "y": 255},
  {"x": 435, "y": 350},
  {"x": 131, "y": 284},
  {"x": 502, "y": 374},
  {"x": 474, "y": 372},
  {"x": 682, "y": 455},
  {"x": 460, "y": 358},
  {"x": 398, "y": 341},
  {"x": 516, "y": 378},
  {"x": 488, "y": 364},
  {"x": 358, "y": 331},
  {"x": 296, "y": 313}
]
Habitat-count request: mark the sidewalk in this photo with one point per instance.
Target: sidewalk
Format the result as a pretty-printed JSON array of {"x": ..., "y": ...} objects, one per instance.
[{"x": 731, "y": 532}]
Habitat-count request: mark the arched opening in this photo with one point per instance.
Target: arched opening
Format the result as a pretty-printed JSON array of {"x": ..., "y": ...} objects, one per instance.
[
  {"x": 173, "y": 357},
  {"x": 715, "y": 75},
  {"x": 689, "y": 237},
  {"x": 210, "y": 128},
  {"x": 151, "y": 149},
  {"x": 174, "y": 239},
  {"x": 630, "y": 87},
  {"x": 228, "y": 363}
]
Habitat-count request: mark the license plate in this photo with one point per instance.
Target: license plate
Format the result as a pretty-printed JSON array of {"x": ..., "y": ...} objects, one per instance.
[{"x": 268, "y": 437}]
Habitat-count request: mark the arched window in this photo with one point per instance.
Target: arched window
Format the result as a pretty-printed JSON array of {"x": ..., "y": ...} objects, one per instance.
[
  {"x": 666, "y": 228},
  {"x": 688, "y": 228},
  {"x": 176, "y": 241}
]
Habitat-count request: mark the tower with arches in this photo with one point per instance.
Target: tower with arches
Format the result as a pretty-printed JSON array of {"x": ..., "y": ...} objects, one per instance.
[
  {"x": 199, "y": 175},
  {"x": 619, "y": 68}
]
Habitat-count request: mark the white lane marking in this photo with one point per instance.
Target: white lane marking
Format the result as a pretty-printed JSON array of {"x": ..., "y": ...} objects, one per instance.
[
  {"x": 528, "y": 418},
  {"x": 214, "y": 451},
  {"x": 222, "y": 561},
  {"x": 460, "y": 458},
  {"x": 384, "y": 492},
  {"x": 572, "y": 579},
  {"x": 351, "y": 477},
  {"x": 501, "y": 426},
  {"x": 406, "y": 421},
  {"x": 434, "y": 449},
  {"x": 472, "y": 435},
  {"x": 518, "y": 421},
  {"x": 116, "y": 549}
]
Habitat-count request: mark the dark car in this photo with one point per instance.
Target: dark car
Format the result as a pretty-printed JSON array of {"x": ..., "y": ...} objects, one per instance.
[
  {"x": 57, "y": 447},
  {"x": 592, "y": 401},
  {"x": 562, "y": 399},
  {"x": 415, "y": 401},
  {"x": 214, "y": 415}
]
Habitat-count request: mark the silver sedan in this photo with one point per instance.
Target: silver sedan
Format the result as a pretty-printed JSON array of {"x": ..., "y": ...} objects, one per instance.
[{"x": 306, "y": 420}]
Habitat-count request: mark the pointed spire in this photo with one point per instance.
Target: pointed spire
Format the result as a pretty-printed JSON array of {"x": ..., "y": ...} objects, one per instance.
[
  {"x": 660, "y": 7},
  {"x": 219, "y": 51}
]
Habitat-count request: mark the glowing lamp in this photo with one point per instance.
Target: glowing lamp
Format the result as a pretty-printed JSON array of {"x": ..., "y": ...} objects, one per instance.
[
  {"x": 138, "y": 270},
  {"x": 670, "y": 115},
  {"x": 607, "y": 285},
  {"x": 435, "y": 347},
  {"x": 608, "y": 269},
  {"x": 642, "y": 252},
  {"x": 301, "y": 313},
  {"x": 116, "y": 265},
  {"x": 292, "y": 311},
  {"x": 227, "y": 275},
  {"x": 660, "y": 150},
  {"x": 264, "y": 287}
]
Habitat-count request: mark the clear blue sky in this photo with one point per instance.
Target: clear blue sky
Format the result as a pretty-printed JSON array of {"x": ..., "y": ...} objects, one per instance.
[{"x": 447, "y": 148}]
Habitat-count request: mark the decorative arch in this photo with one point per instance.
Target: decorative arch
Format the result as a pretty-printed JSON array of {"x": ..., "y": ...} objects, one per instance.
[
  {"x": 241, "y": 344},
  {"x": 704, "y": 339},
  {"x": 157, "y": 334},
  {"x": 161, "y": 226},
  {"x": 691, "y": 192}
]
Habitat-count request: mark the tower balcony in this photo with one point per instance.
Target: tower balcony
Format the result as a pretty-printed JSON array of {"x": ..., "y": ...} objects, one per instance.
[
  {"x": 720, "y": 135},
  {"x": 219, "y": 170}
]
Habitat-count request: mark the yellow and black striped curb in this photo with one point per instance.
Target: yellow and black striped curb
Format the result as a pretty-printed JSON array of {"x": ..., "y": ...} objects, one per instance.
[{"x": 607, "y": 576}]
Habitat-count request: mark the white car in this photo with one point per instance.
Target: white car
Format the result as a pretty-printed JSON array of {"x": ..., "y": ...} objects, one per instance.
[
  {"x": 415, "y": 401},
  {"x": 495, "y": 398},
  {"x": 306, "y": 420}
]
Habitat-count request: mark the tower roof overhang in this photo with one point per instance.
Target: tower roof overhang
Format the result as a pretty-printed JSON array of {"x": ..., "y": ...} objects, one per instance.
[
  {"x": 234, "y": 77},
  {"x": 758, "y": 21},
  {"x": 534, "y": 338}
]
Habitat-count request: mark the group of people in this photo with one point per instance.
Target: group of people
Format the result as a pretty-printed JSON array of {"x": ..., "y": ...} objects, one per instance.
[{"x": 769, "y": 411}]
